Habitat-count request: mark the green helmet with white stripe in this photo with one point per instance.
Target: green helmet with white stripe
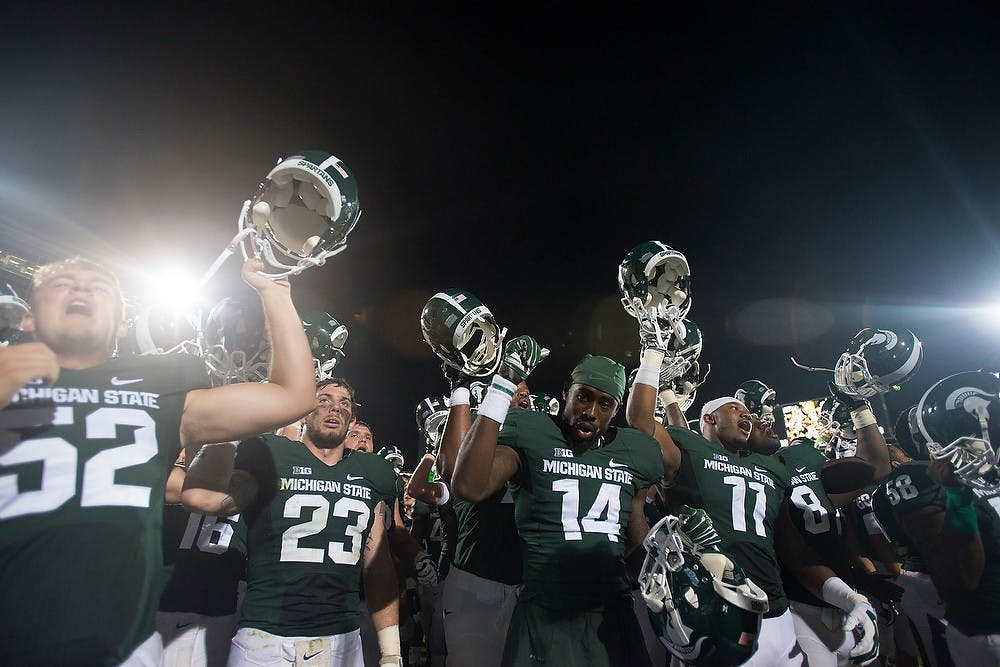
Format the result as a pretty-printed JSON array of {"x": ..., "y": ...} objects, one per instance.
[
  {"x": 303, "y": 211},
  {"x": 877, "y": 361},
  {"x": 461, "y": 331},
  {"x": 432, "y": 413},
  {"x": 655, "y": 284}
]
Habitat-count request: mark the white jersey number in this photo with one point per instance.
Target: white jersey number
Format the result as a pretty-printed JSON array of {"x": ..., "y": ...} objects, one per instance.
[
  {"x": 815, "y": 518},
  {"x": 739, "y": 504},
  {"x": 339, "y": 552},
  {"x": 607, "y": 504},
  {"x": 214, "y": 534},
  {"x": 904, "y": 490},
  {"x": 59, "y": 462}
]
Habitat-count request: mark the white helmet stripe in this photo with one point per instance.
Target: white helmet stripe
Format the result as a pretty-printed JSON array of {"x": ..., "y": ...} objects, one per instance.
[
  {"x": 906, "y": 368},
  {"x": 447, "y": 297}
]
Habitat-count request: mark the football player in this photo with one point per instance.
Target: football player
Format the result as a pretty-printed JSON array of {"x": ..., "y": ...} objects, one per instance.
[
  {"x": 956, "y": 526},
  {"x": 89, "y": 440},
  {"x": 360, "y": 437},
  {"x": 483, "y": 583},
  {"x": 744, "y": 495},
  {"x": 314, "y": 517},
  {"x": 578, "y": 486},
  {"x": 197, "y": 614}
]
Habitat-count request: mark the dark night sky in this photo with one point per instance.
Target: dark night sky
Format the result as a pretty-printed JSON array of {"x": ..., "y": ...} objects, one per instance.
[{"x": 823, "y": 168}]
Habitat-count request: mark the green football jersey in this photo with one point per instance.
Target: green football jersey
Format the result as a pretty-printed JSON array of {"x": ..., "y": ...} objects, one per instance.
[
  {"x": 906, "y": 489},
  {"x": 487, "y": 544},
  {"x": 208, "y": 557},
  {"x": 572, "y": 508},
  {"x": 439, "y": 540},
  {"x": 974, "y": 612},
  {"x": 307, "y": 531},
  {"x": 815, "y": 517},
  {"x": 82, "y": 472},
  {"x": 742, "y": 495}
]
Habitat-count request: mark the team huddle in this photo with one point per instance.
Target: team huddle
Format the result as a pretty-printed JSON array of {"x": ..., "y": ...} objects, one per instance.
[{"x": 206, "y": 492}]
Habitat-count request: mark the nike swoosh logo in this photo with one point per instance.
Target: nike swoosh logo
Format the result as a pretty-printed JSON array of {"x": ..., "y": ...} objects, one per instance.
[
  {"x": 306, "y": 656},
  {"x": 182, "y": 625},
  {"x": 611, "y": 462},
  {"x": 800, "y": 469},
  {"x": 118, "y": 383},
  {"x": 353, "y": 478}
]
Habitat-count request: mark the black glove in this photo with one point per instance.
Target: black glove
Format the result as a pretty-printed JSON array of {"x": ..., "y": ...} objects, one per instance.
[
  {"x": 455, "y": 377},
  {"x": 849, "y": 400},
  {"x": 882, "y": 588}
]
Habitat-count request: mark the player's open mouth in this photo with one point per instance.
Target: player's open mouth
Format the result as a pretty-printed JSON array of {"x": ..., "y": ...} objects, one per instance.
[
  {"x": 524, "y": 404},
  {"x": 77, "y": 307},
  {"x": 745, "y": 425},
  {"x": 331, "y": 423}
]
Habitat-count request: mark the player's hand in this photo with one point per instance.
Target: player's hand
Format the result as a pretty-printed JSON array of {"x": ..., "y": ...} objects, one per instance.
[
  {"x": 426, "y": 572},
  {"x": 455, "y": 377},
  {"x": 860, "y": 619},
  {"x": 253, "y": 276},
  {"x": 521, "y": 356},
  {"x": 943, "y": 472},
  {"x": 697, "y": 525},
  {"x": 850, "y": 400},
  {"x": 21, "y": 363}
]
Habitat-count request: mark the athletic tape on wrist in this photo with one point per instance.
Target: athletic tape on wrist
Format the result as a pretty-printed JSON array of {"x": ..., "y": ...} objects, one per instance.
[
  {"x": 445, "y": 493},
  {"x": 649, "y": 368},
  {"x": 496, "y": 403},
  {"x": 862, "y": 417},
  {"x": 388, "y": 642},
  {"x": 668, "y": 397},
  {"x": 459, "y": 396},
  {"x": 838, "y": 593}
]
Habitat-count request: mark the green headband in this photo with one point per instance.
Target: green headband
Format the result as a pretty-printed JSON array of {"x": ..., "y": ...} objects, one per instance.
[{"x": 601, "y": 373}]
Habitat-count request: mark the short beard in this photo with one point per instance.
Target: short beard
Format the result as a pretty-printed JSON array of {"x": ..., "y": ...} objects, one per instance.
[{"x": 325, "y": 441}]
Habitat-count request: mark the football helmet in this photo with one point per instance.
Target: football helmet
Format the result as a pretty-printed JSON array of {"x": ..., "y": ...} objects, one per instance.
[
  {"x": 683, "y": 349},
  {"x": 686, "y": 386},
  {"x": 655, "y": 284},
  {"x": 237, "y": 348},
  {"x": 461, "y": 331},
  {"x": 160, "y": 329},
  {"x": 432, "y": 413},
  {"x": 544, "y": 403},
  {"x": 326, "y": 340},
  {"x": 908, "y": 437},
  {"x": 759, "y": 399},
  {"x": 393, "y": 455},
  {"x": 701, "y": 604},
  {"x": 836, "y": 429},
  {"x": 960, "y": 418},
  {"x": 878, "y": 361},
  {"x": 301, "y": 214},
  {"x": 12, "y": 310}
]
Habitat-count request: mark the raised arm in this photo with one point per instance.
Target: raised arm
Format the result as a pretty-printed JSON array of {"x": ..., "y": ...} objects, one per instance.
[
  {"x": 482, "y": 466},
  {"x": 211, "y": 486},
  {"x": 238, "y": 411},
  {"x": 640, "y": 410},
  {"x": 424, "y": 490}
]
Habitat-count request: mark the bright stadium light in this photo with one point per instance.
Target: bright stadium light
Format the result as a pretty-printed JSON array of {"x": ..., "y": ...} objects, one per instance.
[{"x": 174, "y": 288}]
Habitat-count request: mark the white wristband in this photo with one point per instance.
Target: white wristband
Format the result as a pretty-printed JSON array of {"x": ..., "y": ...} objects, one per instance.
[
  {"x": 668, "y": 397},
  {"x": 459, "y": 396},
  {"x": 649, "y": 368},
  {"x": 445, "y": 493},
  {"x": 862, "y": 417},
  {"x": 388, "y": 645},
  {"x": 839, "y": 594},
  {"x": 496, "y": 403}
]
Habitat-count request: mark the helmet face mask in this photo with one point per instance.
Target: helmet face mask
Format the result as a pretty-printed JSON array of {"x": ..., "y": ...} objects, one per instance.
[
  {"x": 12, "y": 310},
  {"x": 958, "y": 416},
  {"x": 837, "y": 436},
  {"x": 544, "y": 403},
  {"x": 326, "y": 338},
  {"x": 462, "y": 332},
  {"x": 760, "y": 400},
  {"x": 237, "y": 348},
  {"x": 878, "y": 361},
  {"x": 655, "y": 285},
  {"x": 303, "y": 211},
  {"x": 701, "y": 605}
]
